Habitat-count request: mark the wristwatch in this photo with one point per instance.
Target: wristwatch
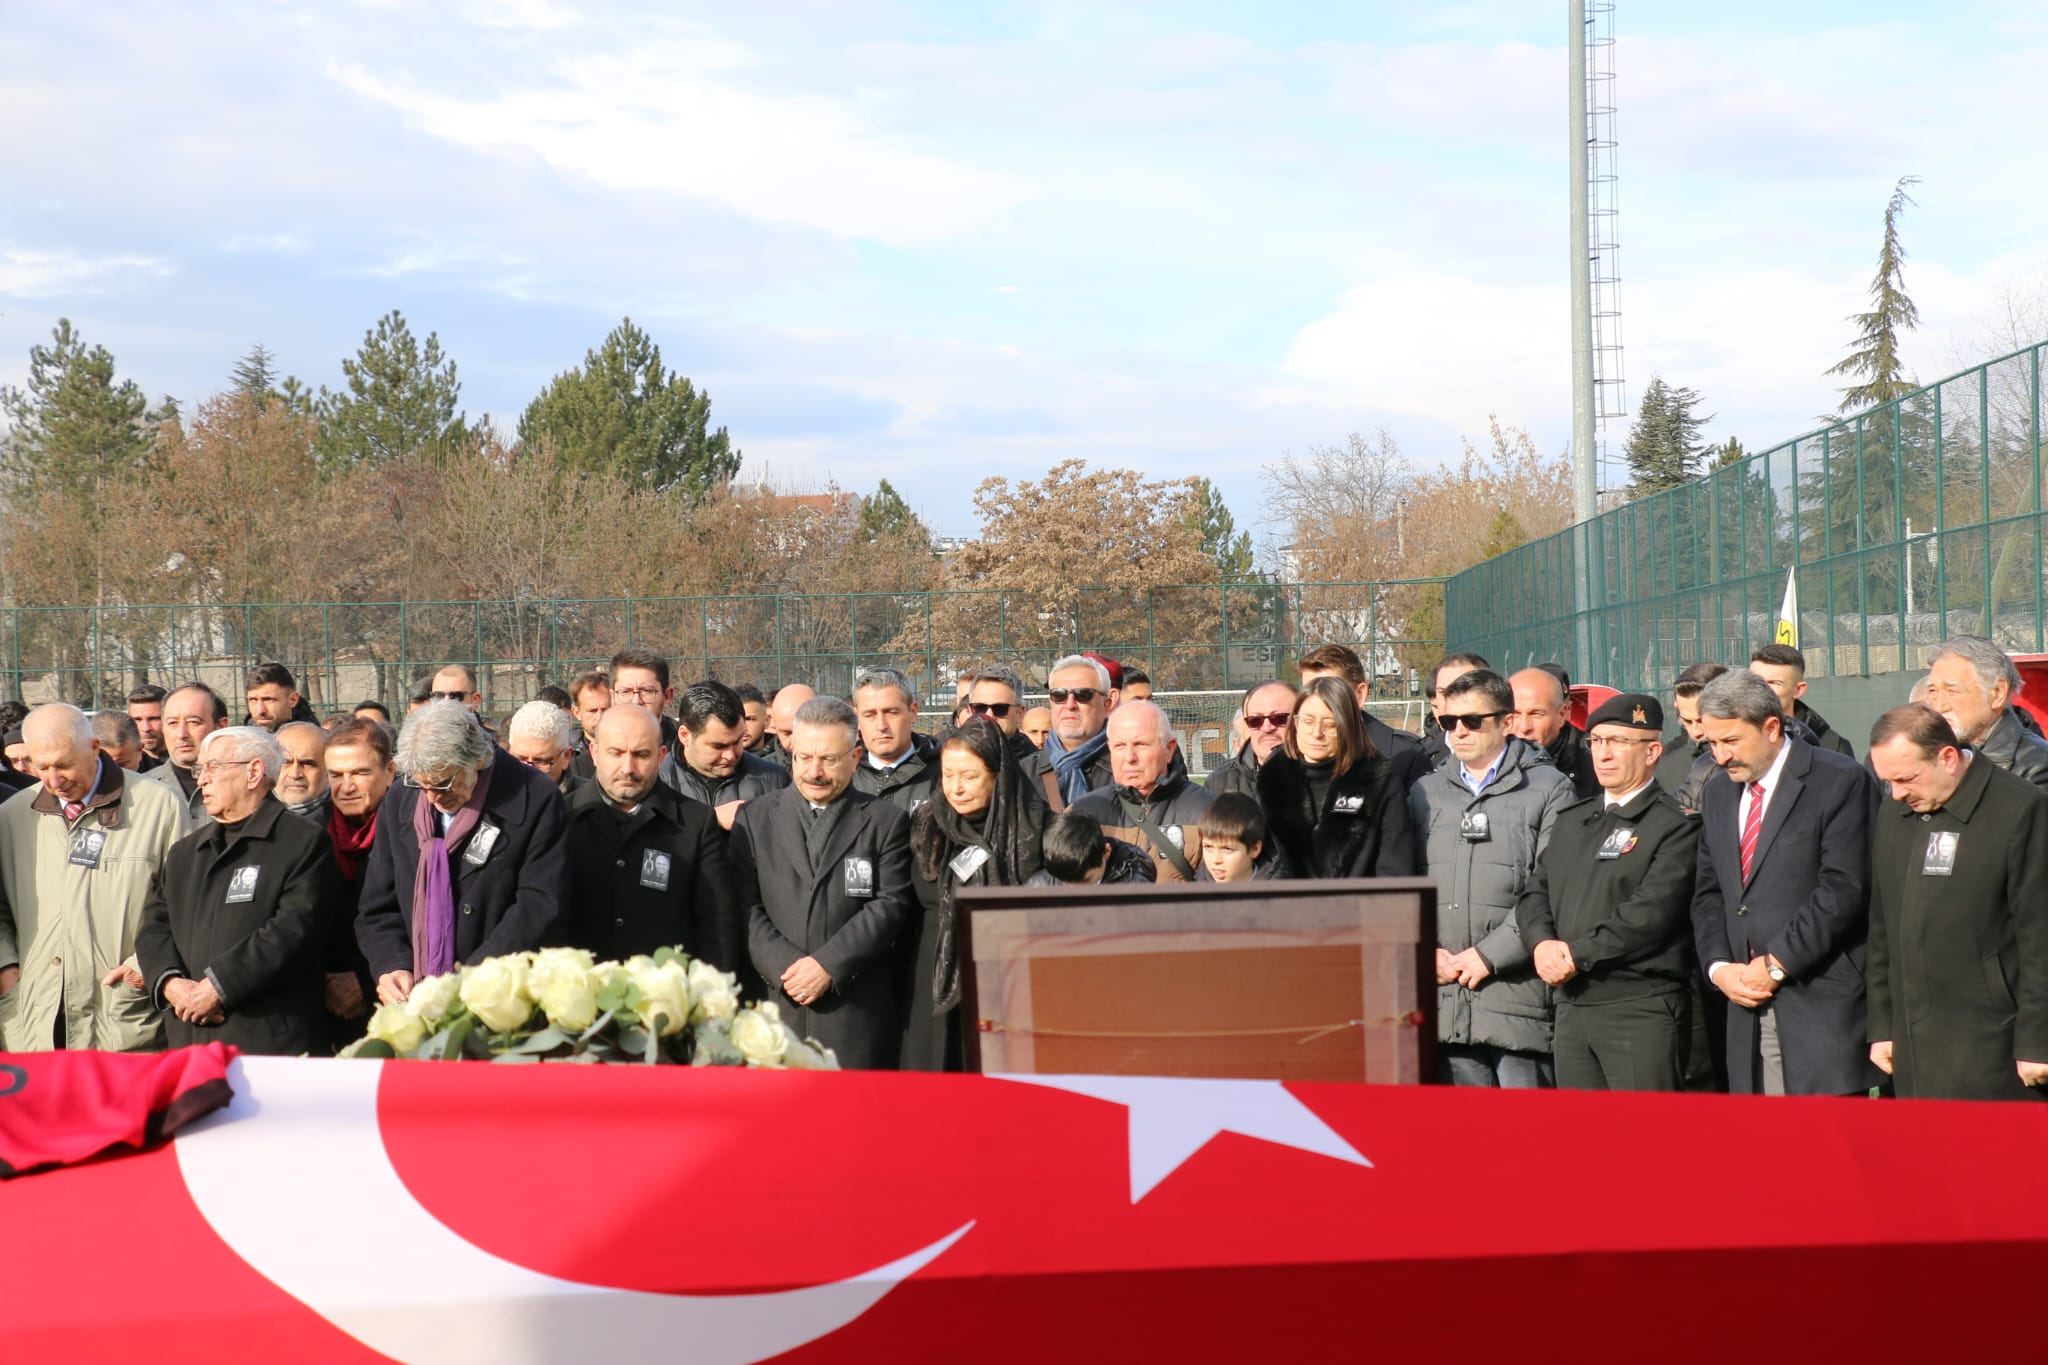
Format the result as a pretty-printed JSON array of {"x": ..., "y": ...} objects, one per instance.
[{"x": 1777, "y": 974}]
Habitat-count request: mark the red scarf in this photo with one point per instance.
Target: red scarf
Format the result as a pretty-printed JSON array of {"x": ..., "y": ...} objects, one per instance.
[{"x": 351, "y": 842}]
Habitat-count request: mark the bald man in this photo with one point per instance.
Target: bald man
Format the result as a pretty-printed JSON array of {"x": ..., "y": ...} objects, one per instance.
[
  {"x": 79, "y": 856},
  {"x": 789, "y": 699},
  {"x": 647, "y": 867},
  {"x": 1542, "y": 717},
  {"x": 1150, "y": 802}
]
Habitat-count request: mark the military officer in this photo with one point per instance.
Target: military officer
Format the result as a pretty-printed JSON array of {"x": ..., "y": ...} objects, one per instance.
[{"x": 1608, "y": 908}]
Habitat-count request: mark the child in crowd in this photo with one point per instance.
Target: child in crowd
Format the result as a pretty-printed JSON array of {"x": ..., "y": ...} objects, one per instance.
[
  {"x": 1075, "y": 851},
  {"x": 1234, "y": 843}
]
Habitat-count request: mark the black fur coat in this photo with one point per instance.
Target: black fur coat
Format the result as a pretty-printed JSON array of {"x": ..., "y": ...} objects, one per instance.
[{"x": 1363, "y": 829}]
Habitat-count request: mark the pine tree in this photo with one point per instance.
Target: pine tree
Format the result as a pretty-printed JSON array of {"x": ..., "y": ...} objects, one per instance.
[
  {"x": 1664, "y": 448},
  {"x": 1227, "y": 547},
  {"x": 1874, "y": 359},
  {"x": 255, "y": 374},
  {"x": 885, "y": 513},
  {"x": 399, "y": 404},
  {"x": 76, "y": 428},
  {"x": 1727, "y": 453},
  {"x": 621, "y": 412}
]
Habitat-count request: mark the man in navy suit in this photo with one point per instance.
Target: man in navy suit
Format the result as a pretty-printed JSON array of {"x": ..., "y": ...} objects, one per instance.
[{"x": 1781, "y": 901}]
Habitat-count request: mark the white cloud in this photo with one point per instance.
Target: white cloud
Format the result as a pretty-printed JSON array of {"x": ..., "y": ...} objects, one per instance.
[
  {"x": 27, "y": 273},
  {"x": 663, "y": 118}
]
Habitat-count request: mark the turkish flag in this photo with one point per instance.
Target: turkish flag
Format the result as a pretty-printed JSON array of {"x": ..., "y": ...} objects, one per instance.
[{"x": 355, "y": 1211}]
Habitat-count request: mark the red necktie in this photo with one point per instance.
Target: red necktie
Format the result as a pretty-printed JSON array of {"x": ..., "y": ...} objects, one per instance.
[
  {"x": 72, "y": 810},
  {"x": 1752, "y": 827}
]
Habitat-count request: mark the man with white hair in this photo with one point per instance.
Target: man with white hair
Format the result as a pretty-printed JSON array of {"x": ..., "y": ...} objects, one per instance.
[
  {"x": 470, "y": 859},
  {"x": 235, "y": 936},
  {"x": 80, "y": 854},
  {"x": 1078, "y": 747},
  {"x": 543, "y": 737},
  {"x": 1151, "y": 803},
  {"x": 1971, "y": 681}
]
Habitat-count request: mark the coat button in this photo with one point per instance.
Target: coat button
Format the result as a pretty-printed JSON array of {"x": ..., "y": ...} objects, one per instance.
[
  {"x": 56, "y": 962},
  {"x": 468, "y": 909},
  {"x": 1741, "y": 909},
  {"x": 1926, "y": 818},
  {"x": 621, "y": 923},
  {"x": 622, "y": 862}
]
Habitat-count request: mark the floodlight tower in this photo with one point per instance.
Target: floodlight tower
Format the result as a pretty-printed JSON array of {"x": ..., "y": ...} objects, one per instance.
[{"x": 1598, "y": 391}]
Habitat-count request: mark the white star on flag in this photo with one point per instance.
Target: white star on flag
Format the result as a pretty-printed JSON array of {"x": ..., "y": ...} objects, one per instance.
[{"x": 1173, "y": 1118}]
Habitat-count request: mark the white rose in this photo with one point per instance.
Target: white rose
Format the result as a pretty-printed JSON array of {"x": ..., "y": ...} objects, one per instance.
[
  {"x": 759, "y": 1036},
  {"x": 495, "y": 991},
  {"x": 562, "y": 980},
  {"x": 433, "y": 998},
  {"x": 664, "y": 994},
  {"x": 713, "y": 994},
  {"x": 804, "y": 1055},
  {"x": 398, "y": 1026}
]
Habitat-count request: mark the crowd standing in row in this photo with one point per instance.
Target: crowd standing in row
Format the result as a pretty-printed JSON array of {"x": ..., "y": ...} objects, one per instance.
[{"x": 1740, "y": 905}]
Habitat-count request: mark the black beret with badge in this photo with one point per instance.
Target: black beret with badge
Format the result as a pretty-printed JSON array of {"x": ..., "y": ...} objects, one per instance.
[{"x": 1632, "y": 710}]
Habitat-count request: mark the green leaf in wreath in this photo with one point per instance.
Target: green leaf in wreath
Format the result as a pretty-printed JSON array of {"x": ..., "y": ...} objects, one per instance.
[
  {"x": 664, "y": 956},
  {"x": 455, "y": 1038},
  {"x": 543, "y": 1040},
  {"x": 374, "y": 1047}
]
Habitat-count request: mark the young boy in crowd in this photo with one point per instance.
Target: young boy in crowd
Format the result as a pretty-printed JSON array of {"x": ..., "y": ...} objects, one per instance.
[
  {"x": 1234, "y": 843},
  {"x": 1075, "y": 851}
]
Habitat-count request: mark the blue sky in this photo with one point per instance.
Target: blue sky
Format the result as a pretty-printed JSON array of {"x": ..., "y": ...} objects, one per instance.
[{"x": 935, "y": 242}]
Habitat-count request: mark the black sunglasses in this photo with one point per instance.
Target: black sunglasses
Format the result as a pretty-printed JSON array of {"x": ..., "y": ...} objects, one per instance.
[
  {"x": 1469, "y": 722},
  {"x": 1084, "y": 695},
  {"x": 457, "y": 695},
  {"x": 999, "y": 709}
]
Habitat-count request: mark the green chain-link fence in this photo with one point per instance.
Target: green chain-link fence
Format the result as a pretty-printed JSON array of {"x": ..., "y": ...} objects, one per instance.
[
  {"x": 1907, "y": 524},
  {"x": 1188, "y": 638}
]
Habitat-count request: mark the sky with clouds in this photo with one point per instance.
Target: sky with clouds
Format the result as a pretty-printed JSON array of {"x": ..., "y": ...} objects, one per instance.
[{"x": 934, "y": 242}]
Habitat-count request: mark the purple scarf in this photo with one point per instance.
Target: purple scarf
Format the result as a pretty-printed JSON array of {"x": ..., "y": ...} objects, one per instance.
[{"x": 433, "y": 890}]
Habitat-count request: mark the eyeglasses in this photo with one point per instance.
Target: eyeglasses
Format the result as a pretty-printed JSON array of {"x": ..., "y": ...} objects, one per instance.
[
  {"x": 637, "y": 693},
  {"x": 210, "y": 768},
  {"x": 457, "y": 695},
  {"x": 1083, "y": 696},
  {"x": 535, "y": 761},
  {"x": 1272, "y": 720},
  {"x": 414, "y": 782},
  {"x": 1474, "y": 720},
  {"x": 1614, "y": 742},
  {"x": 999, "y": 709}
]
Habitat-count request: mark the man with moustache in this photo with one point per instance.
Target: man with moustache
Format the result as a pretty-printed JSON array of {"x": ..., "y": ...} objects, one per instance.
[
  {"x": 1264, "y": 713},
  {"x": 302, "y": 776},
  {"x": 357, "y": 759}
]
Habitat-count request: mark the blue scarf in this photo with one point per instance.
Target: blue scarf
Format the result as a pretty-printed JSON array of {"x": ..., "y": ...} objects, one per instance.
[{"x": 1069, "y": 763}]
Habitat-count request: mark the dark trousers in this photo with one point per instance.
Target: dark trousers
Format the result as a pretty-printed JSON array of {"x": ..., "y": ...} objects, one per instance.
[
  {"x": 1480, "y": 1065},
  {"x": 1623, "y": 1044}
]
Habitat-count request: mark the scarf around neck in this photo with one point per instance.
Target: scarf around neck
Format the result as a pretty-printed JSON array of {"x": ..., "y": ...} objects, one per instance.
[
  {"x": 1070, "y": 764},
  {"x": 433, "y": 886},
  {"x": 351, "y": 843}
]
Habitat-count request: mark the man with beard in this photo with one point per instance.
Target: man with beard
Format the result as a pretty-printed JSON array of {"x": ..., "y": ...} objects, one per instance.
[
  {"x": 1263, "y": 714},
  {"x": 146, "y": 709},
  {"x": 302, "y": 775},
  {"x": 647, "y": 867},
  {"x": 710, "y": 763}
]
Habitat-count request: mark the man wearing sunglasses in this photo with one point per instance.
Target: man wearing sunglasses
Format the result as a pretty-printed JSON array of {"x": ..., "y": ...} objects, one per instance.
[
  {"x": 1485, "y": 818},
  {"x": 897, "y": 764},
  {"x": 1078, "y": 747},
  {"x": 996, "y": 693},
  {"x": 1263, "y": 714}
]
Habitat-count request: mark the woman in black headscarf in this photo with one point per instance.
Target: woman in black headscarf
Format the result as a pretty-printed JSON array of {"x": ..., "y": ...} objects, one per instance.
[{"x": 981, "y": 828}]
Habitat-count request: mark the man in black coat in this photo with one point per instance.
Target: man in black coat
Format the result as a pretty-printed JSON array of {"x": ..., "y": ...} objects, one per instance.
[
  {"x": 1958, "y": 965},
  {"x": 1784, "y": 668},
  {"x": 234, "y": 938},
  {"x": 1263, "y": 714},
  {"x": 1151, "y": 802},
  {"x": 1781, "y": 897},
  {"x": 823, "y": 872},
  {"x": 1542, "y": 716},
  {"x": 709, "y": 761},
  {"x": 1609, "y": 910},
  {"x": 897, "y": 763},
  {"x": 503, "y": 832},
  {"x": 647, "y": 868}
]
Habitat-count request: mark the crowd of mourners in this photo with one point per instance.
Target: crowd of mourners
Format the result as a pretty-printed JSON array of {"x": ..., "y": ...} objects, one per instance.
[{"x": 1735, "y": 904}]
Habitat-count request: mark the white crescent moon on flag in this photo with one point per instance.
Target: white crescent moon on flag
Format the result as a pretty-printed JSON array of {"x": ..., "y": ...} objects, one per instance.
[{"x": 309, "y": 1197}]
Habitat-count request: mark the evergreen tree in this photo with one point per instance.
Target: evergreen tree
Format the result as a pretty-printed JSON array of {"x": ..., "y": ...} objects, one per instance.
[
  {"x": 1727, "y": 453},
  {"x": 399, "y": 404},
  {"x": 885, "y": 513},
  {"x": 1874, "y": 359},
  {"x": 621, "y": 412},
  {"x": 77, "y": 429},
  {"x": 1664, "y": 448},
  {"x": 255, "y": 376},
  {"x": 1225, "y": 546}
]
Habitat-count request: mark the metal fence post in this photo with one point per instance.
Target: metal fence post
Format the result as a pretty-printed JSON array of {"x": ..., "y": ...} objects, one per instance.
[{"x": 1224, "y": 590}]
